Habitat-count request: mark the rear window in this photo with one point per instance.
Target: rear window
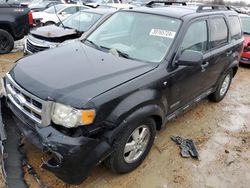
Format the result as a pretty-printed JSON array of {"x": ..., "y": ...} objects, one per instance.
[
  {"x": 219, "y": 32},
  {"x": 235, "y": 27}
]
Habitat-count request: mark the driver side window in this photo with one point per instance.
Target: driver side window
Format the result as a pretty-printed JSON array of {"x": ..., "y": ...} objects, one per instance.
[
  {"x": 196, "y": 37},
  {"x": 70, "y": 10}
]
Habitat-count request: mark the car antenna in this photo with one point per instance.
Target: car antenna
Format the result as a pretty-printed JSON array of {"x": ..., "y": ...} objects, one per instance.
[{"x": 58, "y": 16}]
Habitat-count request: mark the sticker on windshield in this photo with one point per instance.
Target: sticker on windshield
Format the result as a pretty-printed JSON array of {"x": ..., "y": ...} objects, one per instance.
[{"x": 162, "y": 33}]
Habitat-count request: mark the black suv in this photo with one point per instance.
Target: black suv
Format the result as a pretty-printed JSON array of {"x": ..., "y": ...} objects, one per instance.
[{"x": 103, "y": 99}]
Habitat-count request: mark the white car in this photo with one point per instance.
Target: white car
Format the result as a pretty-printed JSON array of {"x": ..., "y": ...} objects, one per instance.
[
  {"x": 51, "y": 15},
  {"x": 118, "y": 4}
]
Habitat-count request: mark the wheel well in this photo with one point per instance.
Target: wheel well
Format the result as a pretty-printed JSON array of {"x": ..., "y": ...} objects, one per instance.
[
  {"x": 234, "y": 70},
  {"x": 158, "y": 121},
  {"x": 6, "y": 28},
  {"x": 49, "y": 22}
]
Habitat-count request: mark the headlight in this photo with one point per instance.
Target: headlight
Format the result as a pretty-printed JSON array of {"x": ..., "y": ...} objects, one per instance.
[
  {"x": 70, "y": 117},
  {"x": 2, "y": 90}
]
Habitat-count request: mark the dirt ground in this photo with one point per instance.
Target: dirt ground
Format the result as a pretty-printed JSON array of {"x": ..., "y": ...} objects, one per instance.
[{"x": 220, "y": 130}]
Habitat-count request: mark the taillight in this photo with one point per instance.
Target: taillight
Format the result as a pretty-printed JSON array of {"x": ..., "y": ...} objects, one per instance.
[{"x": 30, "y": 19}]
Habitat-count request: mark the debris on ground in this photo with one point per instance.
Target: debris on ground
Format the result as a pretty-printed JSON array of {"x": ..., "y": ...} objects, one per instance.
[
  {"x": 13, "y": 156},
  {"x": 33, "y": 173},
  {"x": 187, "y": 147}
]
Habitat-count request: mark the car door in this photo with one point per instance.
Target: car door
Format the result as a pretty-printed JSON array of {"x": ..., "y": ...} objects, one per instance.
[
  {"x": 221, "y": 48},
  {"x": 186, "y": 82}
]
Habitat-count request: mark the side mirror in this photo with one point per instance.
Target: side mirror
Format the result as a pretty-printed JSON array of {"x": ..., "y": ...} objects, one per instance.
[
  {"x": 190, "y": 58},
  {"x": 63, "y": 13}
]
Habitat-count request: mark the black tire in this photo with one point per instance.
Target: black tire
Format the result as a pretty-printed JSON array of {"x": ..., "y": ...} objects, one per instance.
[
  {"x": 48, "y": 23},
  {"x": 6, "y": 42},
  {"x": 117, "y": 162},
  {"x": 217, "y": 96}
]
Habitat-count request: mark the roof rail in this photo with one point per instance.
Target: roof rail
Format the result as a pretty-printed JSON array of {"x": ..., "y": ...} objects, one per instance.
[
  {"x": 150, "y": 3},
  {"x": 208, "y": 8}
]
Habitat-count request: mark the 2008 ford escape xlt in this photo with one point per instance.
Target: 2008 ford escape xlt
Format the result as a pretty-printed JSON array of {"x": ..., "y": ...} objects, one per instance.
[{"x": 103, "y": 99}]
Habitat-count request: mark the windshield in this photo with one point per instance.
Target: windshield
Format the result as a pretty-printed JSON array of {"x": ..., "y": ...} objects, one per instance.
[
  {"x": 144, "y": 37},
  {"x": 54, "y": 9},
  {"x": 245, "y": 24},
  {"x": 81, "y": 21}
]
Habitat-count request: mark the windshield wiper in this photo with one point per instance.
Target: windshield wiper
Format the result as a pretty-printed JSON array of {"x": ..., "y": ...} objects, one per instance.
[
  {"x": 102, "y": 48},
  {"x": 93, "y": 44},
  {"x": 67, "y": 27},
  {"x": 123, "y": 54},
  {"x": 120, "y": 53}
]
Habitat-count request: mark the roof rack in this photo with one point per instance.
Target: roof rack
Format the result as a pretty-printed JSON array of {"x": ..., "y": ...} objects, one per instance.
[
  {"x": 209, "y": 8},
  {"x": 150, "y": 3}
]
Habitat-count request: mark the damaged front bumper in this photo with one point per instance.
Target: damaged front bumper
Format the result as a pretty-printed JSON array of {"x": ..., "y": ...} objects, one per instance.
[{"x": 72, "y": 157}]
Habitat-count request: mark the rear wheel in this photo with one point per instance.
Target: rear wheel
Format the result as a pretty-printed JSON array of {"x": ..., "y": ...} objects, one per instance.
[
  {"x": 132, "y": 146},
  {"x": 222, "y": 88},
  {"x": 6, "y": 42}
]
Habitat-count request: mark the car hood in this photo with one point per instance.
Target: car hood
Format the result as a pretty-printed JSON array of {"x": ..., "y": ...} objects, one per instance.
[
  {"x": 54, "y": 33},
  {"x": 73, "y": 74}
]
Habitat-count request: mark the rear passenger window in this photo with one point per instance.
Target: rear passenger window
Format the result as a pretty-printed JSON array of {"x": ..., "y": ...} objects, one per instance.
[
  {"x": 71, "y": 10},
  {"x": 196, "y": 37},
  {"x": 235, "y": 27},
  {"x": 219, "y": 32}
]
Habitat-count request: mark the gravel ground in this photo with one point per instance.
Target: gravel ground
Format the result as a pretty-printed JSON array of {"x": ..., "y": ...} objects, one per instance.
[{"x": 220, "y": 130}]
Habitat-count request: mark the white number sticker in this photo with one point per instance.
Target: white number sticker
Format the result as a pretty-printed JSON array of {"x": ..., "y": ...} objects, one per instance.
[{"x": 162, "y": 33}]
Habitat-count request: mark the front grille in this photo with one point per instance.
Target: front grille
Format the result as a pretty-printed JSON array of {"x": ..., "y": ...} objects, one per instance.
[
  {"x": 33, "y": 48},
  {"x": 32, "y": 106},
  {"x": 245, "y": 59}
]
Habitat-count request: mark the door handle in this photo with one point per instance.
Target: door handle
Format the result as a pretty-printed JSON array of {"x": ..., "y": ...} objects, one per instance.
[
  {"x": 204, "y": 65},
  {"x": 228, "y": 53}
]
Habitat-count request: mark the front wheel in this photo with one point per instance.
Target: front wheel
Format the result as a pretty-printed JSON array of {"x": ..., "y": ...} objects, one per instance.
[
  {"x": 6, "y": 42},
  {"x": 132, "y": 146},
  {"x": 222, "y": 88}
]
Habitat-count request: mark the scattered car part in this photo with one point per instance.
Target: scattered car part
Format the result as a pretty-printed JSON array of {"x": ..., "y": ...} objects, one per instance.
[
  {"x": 12, "y": 156},
  {"x": 187, "y": 146},
  {"x": 33, "y": 173}
]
